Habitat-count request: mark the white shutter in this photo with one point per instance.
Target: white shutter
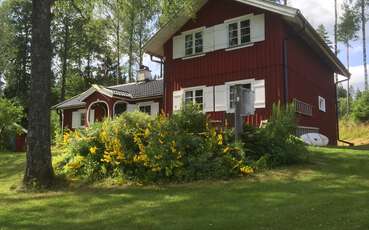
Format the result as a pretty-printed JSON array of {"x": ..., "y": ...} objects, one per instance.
[
  {"x": 131, "y": 107},
  {"x": 259, "y": 88},
  {"x": 208, "y": 39},
  {"x": 249, "y": 105},
  {"x": 178, "y": 46},
  {"x": 177, "y": 100},
  {"x": 92, "y": 116},
  {"x": 208, "y": 99},
  {"x": 76, "y": 120},
  {"x": 220, "y": 98},
  {"x": 220, "y": 36},
  {"x": 258, "y": 28},
  {"x": 155, "y": 109}
]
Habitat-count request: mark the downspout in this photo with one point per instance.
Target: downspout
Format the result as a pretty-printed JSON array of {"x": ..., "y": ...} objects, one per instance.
[{"x": 161, "y": 62}]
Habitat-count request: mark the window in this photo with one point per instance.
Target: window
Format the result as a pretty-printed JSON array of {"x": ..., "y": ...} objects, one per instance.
[
  {"x": 239, "y": 33},
  {"x": 322, "y": 104},
  {"x": 120, "y": 108},
  {"x": 78, "y": 119},
  {"x": 303, "y": 108},
  {"x": 232, "y": 94},
  {"x": 145, "y": 109},
  {"x": 194, "y": 43},
  {"x": 194, "y": 97}
]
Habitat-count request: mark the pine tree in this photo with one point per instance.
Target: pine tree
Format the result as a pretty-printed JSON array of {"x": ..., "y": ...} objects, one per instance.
[{"x": 322, "y": 31}]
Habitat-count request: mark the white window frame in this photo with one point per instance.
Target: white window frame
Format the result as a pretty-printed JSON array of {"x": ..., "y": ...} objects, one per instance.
[
  {"x": 148, "y": 103},
  {"x": 233, "y": 83},
  {"x": 324, "y": 107},
  {"x": 193, "y": 34},
  {"x": 238, "y": 21},
  {"x": 82, "y": 113},
  {"x": 193, "y": 89}
]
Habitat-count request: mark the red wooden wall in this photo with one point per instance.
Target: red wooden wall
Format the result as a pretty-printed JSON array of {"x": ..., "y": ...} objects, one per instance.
[
  {"x": 261, "y": 61},
  {"x": 308, "y": 75}
]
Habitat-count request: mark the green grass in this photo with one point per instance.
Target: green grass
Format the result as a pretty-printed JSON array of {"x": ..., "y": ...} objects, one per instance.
[{"x": 330, "y": 192}]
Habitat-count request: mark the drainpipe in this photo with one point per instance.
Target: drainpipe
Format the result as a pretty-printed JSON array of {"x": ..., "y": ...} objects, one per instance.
[{"x": 285, "y": 69}]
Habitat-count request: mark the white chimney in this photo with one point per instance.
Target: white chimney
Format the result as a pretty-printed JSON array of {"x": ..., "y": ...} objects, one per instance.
[{"x": 144, "y": 74}]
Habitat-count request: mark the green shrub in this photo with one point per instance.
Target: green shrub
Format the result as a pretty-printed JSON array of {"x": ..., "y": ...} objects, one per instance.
[
  {"x": 360, "y": 109},
  {"x": 276, "y": 143},
  {"x": 11, "y": 115},
  {"x": 183, "y": 147}
]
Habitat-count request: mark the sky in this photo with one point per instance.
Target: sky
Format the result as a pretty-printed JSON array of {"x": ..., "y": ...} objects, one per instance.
[{"x": 322, "y": 12}]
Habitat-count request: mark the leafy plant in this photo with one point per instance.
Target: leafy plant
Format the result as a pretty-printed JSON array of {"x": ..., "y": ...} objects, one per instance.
[{"x": 11, "y": 115}]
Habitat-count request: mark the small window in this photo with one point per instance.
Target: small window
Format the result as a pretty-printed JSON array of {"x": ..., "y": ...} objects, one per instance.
[
  {"x": 194, "y": 97},
  {"x": 239, "y": 33},
  {"x": 194, "y": 43},
  {"x": 322, "y": 104},
  {"x": 232, "y": 94},
  {"x": 145, "y": 109},
  {"x": 83, "y": 118},
  {"x": 120, "y": 108}
]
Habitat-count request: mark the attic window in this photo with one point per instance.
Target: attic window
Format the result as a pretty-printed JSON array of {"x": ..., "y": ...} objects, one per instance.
[
  {"x": 239, "y": 33},
  {"x": 194, "y": 43}
]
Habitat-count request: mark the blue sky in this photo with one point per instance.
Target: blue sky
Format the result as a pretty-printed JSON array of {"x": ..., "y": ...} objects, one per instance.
[{"x": 322, "y": 12}]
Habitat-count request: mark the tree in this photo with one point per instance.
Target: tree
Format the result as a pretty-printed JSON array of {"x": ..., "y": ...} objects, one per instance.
[
  {"x": 361, "y": 5},
  {"x": 39, "y": 170},
  {"x": 322, "y": 31},
  {"x": 348, "y": 28},
  {"x": 15, "y": 49},
  {"x": 360, "y": 109}
]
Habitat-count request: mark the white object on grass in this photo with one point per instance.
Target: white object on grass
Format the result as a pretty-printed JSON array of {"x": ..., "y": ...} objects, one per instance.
[{"x": 316, "y": 139}]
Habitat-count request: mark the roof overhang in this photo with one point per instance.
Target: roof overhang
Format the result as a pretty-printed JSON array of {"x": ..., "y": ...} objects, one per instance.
[{"x": 155, "y": 46}]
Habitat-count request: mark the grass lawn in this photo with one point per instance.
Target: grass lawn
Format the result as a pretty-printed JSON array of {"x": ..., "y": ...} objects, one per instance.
[{"x": 331, "y": 192}]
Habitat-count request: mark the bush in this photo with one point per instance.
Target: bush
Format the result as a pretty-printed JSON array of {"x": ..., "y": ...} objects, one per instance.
[
  {"x": 360, "y": 109},
  {"x": 11, "y": 115},
  {"x": 275, "y": 144},
  {"x": 183, "y": 147}
]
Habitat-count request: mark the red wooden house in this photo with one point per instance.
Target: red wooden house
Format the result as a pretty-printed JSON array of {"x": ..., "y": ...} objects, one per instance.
[
  {"x": 266, "y": 47},
  {"x": 261, "y": 45}
]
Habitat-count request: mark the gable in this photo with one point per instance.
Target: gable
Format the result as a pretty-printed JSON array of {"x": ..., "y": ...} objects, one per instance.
[{"x": 291, "y": 16}]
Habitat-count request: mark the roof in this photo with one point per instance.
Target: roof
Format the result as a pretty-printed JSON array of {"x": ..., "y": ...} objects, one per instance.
[
  {"x": 130, "y": 91},
  {"x": 155, "y": 46}
]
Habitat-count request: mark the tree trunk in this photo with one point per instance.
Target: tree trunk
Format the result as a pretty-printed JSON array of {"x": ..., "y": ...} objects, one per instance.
[
  {"x": 118, "y": 42},
  {"x": 335, "y": 31},
  {"x": 130, "y": 49},
  {"x": 348, "y": 81},
  {"x": 39, "y": 170},
  {"x": 363, "y": 21},
  {"x": 65, "y": 59}
]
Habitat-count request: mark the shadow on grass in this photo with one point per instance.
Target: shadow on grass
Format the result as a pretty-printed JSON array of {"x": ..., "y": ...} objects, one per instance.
[{"x": 332, "y": 192}]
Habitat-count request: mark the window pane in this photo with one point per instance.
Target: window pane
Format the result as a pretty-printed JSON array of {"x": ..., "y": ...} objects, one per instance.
[
  {"x": 198, "y": 93},
  {"x": 120, "y": 108},
  {"x": 189, "y": 94},
  {"x": 146, "y": 109},
  {"x": 245, "y": 32},
  {"x": 233, "y": 34},
  {"x": 198, "y": 42},
  {"x": 232, "y": 97},
  {"x": 189, "y": 44}
]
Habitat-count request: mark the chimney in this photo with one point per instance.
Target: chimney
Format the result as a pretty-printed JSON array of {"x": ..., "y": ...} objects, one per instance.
[{"x": 144, "y": 74}]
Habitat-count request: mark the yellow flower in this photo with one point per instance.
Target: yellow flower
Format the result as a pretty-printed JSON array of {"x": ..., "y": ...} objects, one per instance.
[
  {"x": 227, "y": 149},
  {"x": 247, "y": 170},
  {"x": 220, "y": 139},
  {"x": 66, "y": 138},
  {"x": 147, "y": 132},
  {"x": 93, "y": 150}
]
